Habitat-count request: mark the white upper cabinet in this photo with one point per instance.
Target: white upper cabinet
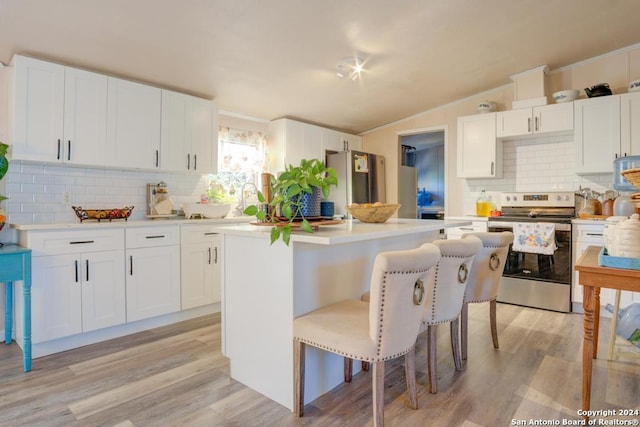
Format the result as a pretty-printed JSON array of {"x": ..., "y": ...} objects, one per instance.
[
  {"x": 189, "y": 133},
  {"x": 479, "y": 153},
  {"x": 597, "y": 134},
  {"x": 291, "y": 141},
  {"x": 546, "y": 119},
  {"x": 133, "y": 125},
  {"x": 59, "y": 113},
  {"x": 630, "y": 123}
]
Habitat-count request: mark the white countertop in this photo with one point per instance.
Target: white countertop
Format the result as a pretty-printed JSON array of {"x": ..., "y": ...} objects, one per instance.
[
  {"x": 119, "y": 223},
  {"x": 348, "y": 232},
  {"x": 587, "y": 221},
  {"x": 466, "y": 218}
]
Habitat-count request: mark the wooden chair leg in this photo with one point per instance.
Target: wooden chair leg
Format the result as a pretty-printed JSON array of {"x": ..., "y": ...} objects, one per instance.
[
  {"x": 494, "y": 325},
  {"x": 432, "y": 332},
  {"x": 378, "y": 394},
  {"x": 464, "y": 333},
  {"x": 410, "y": 376},
  {"x": 348, "y": 369},
  {"x": 455, "y": 344},
  {"x": 298, "y": 377}
]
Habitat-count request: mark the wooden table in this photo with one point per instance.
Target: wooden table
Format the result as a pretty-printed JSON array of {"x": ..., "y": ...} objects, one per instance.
[
  {"x": 15, "y": 264},
  {"x": 593, "y": 277}
]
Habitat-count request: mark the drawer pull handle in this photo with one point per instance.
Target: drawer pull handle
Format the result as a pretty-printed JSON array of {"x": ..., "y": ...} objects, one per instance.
[
  {"x": 595, "y": 234},
  {"x": 466, "y": 228},
  {"x": 188, "y": 161},
  {"x": 159, "y": 236},
  {"x": 210, "y": 233},
  {"x": 195, "y": 162},
  {"x": 86, "y": 264},
  {"x": 215, "y": 259},
  {"x": 209, "y": 252},
  {"x": 130, "y": 265},
  {"x": 58, "y": 155},
  {"x": 69, "y": 149},
  {"x": 81, "y": 242},
  {"x": 76, "y": 265}
]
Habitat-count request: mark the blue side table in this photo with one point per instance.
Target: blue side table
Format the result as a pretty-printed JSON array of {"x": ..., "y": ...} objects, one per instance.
[{"x": 15, "y": 264}]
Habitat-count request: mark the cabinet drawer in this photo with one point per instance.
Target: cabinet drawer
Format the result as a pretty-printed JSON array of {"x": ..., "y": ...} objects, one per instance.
[
  {"x": 198, "y": 233},
  {"x": 145, "y": 237},
  {"x": 457, "y": 232},
  {"x": 72, "y": 241},
  {"x": 590, "y": 233}
]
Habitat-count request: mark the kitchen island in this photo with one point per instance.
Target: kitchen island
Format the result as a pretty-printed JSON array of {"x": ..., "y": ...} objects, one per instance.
[{"x": 266, "y": 286}]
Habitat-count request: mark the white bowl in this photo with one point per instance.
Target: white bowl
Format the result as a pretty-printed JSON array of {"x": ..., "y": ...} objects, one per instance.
[
  {"x": 634, "y": 86},
  {"x": 206, "y": 210},
  {"x": 566, "y": 95},
  {"x": 486, "y": 107}
]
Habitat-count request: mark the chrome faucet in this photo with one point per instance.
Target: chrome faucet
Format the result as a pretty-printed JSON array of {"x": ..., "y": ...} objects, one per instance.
[{"x": 243, "y": 197}]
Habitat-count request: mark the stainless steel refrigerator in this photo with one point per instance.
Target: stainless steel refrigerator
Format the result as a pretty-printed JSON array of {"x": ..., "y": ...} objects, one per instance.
[{"x": 361, "y": 179}]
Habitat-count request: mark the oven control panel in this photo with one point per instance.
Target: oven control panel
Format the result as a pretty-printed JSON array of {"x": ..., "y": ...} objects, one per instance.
[{"x": 533, "y": 199}]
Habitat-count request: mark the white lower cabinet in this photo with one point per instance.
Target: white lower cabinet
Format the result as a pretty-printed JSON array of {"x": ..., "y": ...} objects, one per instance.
[
  {"x": 152, "y": 271},
  {"x": 77, "y": 282},
  {"x": 201, "y": 255}
]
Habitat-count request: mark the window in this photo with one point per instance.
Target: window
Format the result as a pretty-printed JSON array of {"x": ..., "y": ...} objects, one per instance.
[{"x": 242, "y": 157}]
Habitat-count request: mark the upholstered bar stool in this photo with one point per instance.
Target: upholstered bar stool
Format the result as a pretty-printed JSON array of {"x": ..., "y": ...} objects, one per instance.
[
  {"x": 484, "y": 279},
  {"x": 444, "y": 298},
  {"x": 381, "y": 330}
]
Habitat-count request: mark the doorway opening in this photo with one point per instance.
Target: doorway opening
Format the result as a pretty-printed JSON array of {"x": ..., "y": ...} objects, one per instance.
[{"x": 421, "y": 173}]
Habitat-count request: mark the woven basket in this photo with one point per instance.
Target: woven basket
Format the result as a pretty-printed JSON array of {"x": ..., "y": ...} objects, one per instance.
[
  {"x": 379, "y": 213},
  {"x": 633, "y": 176}
]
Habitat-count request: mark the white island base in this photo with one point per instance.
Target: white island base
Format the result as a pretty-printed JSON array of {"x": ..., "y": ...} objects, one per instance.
[{"x": 266, "y": 286}]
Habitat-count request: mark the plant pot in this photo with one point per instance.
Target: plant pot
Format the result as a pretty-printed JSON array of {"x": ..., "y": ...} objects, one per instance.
[{"x": 310, "y": 203}]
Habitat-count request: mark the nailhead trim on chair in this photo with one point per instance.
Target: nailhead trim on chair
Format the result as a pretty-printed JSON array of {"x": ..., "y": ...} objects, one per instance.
[
  {"x": 487, "y": 299},
  {"x": 433, "y": 306},
  {"x": 359, "y": 357}
]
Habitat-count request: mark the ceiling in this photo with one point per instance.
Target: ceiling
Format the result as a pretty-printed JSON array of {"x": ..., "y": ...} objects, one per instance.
[{"x": 277, "y": 58}]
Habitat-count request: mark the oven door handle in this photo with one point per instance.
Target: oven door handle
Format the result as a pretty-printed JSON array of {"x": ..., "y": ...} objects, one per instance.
[{"x": 499, "y": 224}]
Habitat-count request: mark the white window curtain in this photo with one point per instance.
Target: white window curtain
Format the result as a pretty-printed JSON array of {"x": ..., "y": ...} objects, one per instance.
[{"x": 242, "y": 158}]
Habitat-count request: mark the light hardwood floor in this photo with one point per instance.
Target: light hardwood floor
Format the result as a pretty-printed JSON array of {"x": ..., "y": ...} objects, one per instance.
[{"x": 176, "y": 376}]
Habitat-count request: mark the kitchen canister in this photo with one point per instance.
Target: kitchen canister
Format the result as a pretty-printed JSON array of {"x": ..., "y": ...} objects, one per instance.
[
  {"x": 610, "y": 233},
  {"x": 627, "y": 237}
]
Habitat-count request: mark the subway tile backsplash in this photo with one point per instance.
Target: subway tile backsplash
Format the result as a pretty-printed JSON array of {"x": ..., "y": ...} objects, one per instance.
[
  {"x": 41, "y": 194},
  {"x": 536, "y": 164}
]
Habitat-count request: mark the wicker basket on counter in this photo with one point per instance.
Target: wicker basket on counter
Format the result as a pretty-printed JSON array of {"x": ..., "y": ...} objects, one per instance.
[{"x": 372, "y": 213}]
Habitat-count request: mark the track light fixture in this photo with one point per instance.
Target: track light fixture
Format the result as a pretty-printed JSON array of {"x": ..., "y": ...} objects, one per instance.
[{"x": 350, "y": 67}]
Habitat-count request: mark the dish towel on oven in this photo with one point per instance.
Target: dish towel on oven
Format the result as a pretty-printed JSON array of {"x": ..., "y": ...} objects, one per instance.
[{"x": 534, "y": 237}]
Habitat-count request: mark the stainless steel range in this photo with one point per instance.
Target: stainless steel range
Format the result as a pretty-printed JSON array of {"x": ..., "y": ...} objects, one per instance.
[{"x": 534, "y": 279}]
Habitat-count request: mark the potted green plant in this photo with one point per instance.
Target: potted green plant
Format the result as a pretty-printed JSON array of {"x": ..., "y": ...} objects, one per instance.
[
  {"x": 290, "y": 192},
  {"x": 4, "y": 166}
]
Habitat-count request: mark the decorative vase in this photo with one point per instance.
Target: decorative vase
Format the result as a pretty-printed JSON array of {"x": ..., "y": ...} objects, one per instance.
[{"x": 310, "y": 203}]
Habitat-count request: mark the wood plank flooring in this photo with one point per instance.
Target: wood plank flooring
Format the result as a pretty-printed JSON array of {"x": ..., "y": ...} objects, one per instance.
[{"x": 176, "y": 376}]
